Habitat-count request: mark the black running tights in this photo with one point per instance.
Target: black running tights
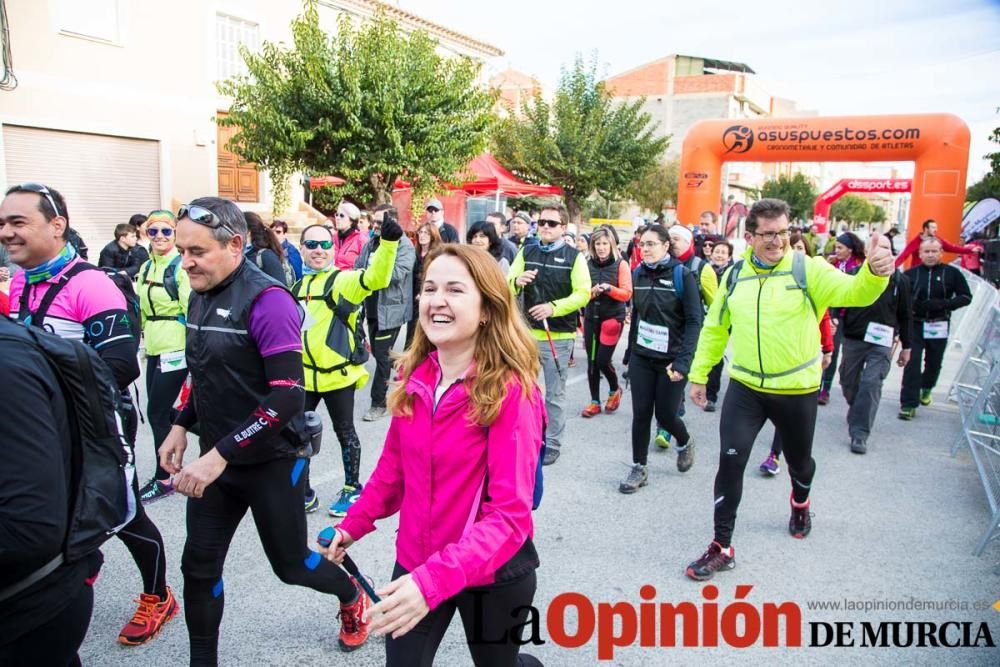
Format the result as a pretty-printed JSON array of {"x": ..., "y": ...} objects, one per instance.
[
  {"x": 274, "y": 493},
  {"x": 598, "y": 359},
  {"x": 744, "y": 412},
  {"x": 653, "y": 391},
  {"x": 340, "y": 407}
]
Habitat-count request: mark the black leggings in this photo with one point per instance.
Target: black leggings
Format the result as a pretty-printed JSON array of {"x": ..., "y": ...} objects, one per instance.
[
  {"x": 599, "y": 358},
  {"x": 340, "y": 407},
  {"x": 141, "y": 536},
  {"x": 274, "y": 492},
  {"x": 653, "y": 391},
  {"x": 55, "y": 642},
  {"x": 382, "y": 341},
  {"x": 488, "y": 614},
  {"x": 162, "y": 390},
  {"x": 744, "y": 412}
]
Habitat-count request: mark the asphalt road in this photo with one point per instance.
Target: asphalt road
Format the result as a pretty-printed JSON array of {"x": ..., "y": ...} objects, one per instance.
[{"x": 897, "y": 525}]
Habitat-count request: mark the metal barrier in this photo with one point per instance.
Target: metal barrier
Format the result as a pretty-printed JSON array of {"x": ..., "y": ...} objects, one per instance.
[{"x": 976, "y": 389}]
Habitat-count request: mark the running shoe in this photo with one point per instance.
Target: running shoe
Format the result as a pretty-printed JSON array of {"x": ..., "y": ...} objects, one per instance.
[
  {"x": 685, "y": 457},
  {"x": 770, "y": 465},
  {"x": 353, "y": 626},
  {"x": 149, "y": 618},
  {"x": 800, "y": 523},
  {"x": 348, "y": 496},
  {"x": 824, "y": 397},
  {"x": 906, "y": 414},
  {"x": 551, "y": 456},
  {"x": 592, "y": 410},
  {"x": 710, "y": 406},
  {"x": 614, "y": 400},
  {"x": 662, "y": 439},
  {"x": 713, "y": 560},
  {"x": 925, "y": 397},
  {"x": 637, "y": 478},
  {"x": 858, "y": 446},
  {"x": 374, "y": 414},
  {"x": 312, "y": 502},
  {"x": 155, "y": 489}
]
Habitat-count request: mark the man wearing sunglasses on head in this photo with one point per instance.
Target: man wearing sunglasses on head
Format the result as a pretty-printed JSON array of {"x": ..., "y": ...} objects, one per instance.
[
  {"x": 769, "y": 305},
  {"x": 244, "y": 353},
  {"x": 555, "y": 281},
  {"x": 435, "y": 215},
  {"x": 61, "y": 293}
]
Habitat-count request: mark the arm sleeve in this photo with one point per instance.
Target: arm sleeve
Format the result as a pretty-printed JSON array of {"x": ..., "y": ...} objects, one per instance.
[
  {"x": 580, "y": 296},
  {"x": 383, "y": 492},
  {"x": 712, "y": 339},
  {"x": 357, "y": 284},
  {"x": 33, "y": 494},
  {"x": 951, "y": 247},
  {"x": 826, "y": 333},
  {"x": 285, "y": 400},
  {"x": 904, "y": 311},
  {"x": 830, "y": 287},
  {"x": 516, "y": 269},
  {"x": 693, "y": 318},
  {"x": 624, "y": 290},
  {"x": 709, "y": 283},
  {"x": 910, "y": 248},
  {"x": 962, "y": 295},
  {"x": 503, "y": 525}
]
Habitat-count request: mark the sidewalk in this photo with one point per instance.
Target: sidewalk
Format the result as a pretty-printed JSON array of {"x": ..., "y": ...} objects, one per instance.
[{"x": 897, "y": 523}]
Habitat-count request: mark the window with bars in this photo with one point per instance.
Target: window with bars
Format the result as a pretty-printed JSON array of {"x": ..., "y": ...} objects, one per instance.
[{"x": 230, "y": 33}]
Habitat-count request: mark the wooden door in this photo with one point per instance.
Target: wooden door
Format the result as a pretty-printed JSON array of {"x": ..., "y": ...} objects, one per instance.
[{"x": 238, "y": 180}]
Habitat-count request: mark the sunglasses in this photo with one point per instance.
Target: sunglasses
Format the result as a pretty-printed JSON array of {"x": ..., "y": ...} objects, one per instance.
[
  {"x": 203, "y": 216},
  {"x": 38, "y": 189},
  {"x": 431, "y": 209},
  {"x": 312, "y": 245},
  {"x": 165, "y": 232},
  {"x": 549, "y": 223}
]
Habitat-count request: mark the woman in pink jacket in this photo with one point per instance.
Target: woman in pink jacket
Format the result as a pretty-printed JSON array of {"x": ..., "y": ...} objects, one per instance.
[
  {"x": 459, "y": 465},
  {"x": 348, "y": 240}
]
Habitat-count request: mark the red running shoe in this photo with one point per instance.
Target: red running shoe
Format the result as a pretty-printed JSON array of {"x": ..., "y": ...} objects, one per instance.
[
  {"x": 353, "y": 627},
  {"x": 614, "y": 400},
  {"x": 149, "y": 618}
]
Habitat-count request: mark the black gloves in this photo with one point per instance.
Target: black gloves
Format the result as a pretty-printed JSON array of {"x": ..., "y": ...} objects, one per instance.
[{"x": 391, "y": 231}]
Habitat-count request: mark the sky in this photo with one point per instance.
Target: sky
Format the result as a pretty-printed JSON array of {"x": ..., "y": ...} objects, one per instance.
[{"x": 851, "y": 57}]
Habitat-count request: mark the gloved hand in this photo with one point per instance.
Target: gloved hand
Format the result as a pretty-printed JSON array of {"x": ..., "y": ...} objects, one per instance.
[{"x": 391, "y": 231}]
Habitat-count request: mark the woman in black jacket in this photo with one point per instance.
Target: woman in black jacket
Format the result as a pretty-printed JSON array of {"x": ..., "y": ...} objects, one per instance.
[
  {"x": 664, "y": 332},
  {"x": 265, "y": 250}
]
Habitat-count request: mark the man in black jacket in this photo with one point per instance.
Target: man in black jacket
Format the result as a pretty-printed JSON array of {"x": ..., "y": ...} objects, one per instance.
[
  {"x": 45, "y": 623},
  {"x": 123, "y": 254},
  {"x": 938, "y": 289},
  {"x": 869, "y": 335}
]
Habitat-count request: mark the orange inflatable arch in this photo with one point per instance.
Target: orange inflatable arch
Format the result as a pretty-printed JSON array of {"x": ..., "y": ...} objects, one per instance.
[{"x": 938, "y": 144}]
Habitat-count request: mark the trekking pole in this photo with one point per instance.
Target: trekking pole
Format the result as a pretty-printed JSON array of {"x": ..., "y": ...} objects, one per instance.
[
  {"x": 325, "y": 539},
  {"x": 552, "y": 346}
]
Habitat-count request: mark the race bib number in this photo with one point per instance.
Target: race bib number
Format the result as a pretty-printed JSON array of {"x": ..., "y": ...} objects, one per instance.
[
  {"x": 879, "y": 334},
  {"x": 936, "y": 329},
  {"x": 653, "y": 337},
  {"x": 173, "y": 361}
]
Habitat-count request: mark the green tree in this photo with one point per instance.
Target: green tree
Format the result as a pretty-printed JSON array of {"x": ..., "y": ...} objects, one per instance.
[
  {"x": 584, "y": 141},
  {"x": 852, "y": 208},
  {"x": 878, "y": 214},
  {"x": 798, "y": 192},
  {"x": 989, "y": 185},
  {"x": 373, "y": 105},
  {"x": 657, "y": 188}
]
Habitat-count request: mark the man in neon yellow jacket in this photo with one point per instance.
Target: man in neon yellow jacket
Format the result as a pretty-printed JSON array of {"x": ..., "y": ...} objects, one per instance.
[
  {"x": 556, "y": 283},
  {"x": 333, "y": 350},
  {"x": 771, "y": 300}
]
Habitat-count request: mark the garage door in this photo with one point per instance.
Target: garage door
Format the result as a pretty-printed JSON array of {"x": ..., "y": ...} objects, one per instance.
[{"x": 104, "y": 179}]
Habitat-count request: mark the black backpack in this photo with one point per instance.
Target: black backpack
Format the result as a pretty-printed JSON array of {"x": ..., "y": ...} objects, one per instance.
[{"x": 101, "y": 466}]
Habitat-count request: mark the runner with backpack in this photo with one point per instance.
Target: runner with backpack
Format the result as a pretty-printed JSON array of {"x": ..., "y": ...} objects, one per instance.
[
  {"x": 770, "y": 311},
  {"x": 58, "y": 292},
  {"x": 461, "y": 466},
  {"x": 334, "y": 347},
  {"x": 163, "y": 296},
  {"x": 663, "y": 334}
]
